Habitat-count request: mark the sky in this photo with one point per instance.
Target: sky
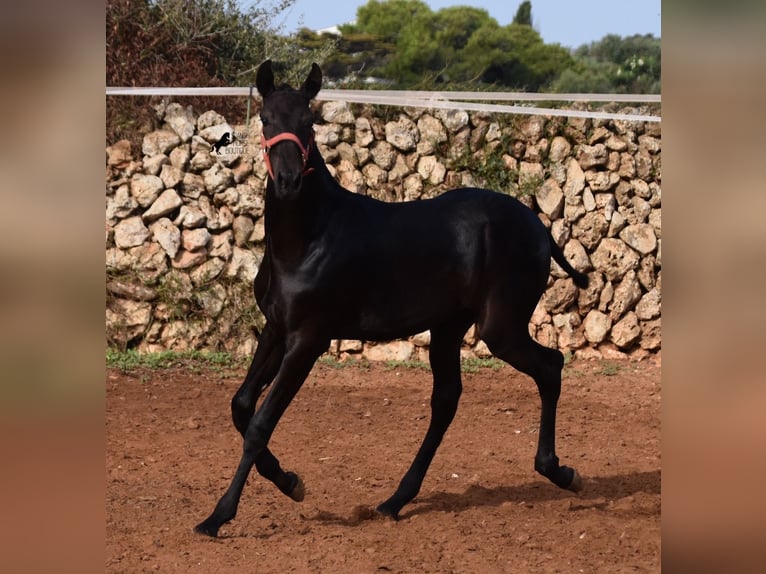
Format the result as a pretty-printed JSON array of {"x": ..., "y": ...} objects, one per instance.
[{"x": 570, "y": 23}]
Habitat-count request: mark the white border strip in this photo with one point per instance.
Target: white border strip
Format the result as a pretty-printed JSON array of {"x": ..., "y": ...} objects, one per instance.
[{"x": 441, "y": 100}]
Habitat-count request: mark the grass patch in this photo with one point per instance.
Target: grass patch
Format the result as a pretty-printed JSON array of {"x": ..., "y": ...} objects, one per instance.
[
  {"x": 609, "y": 369},
  {"x": 349, "y": 363},
  {"x": 466, "y": 365},
  {"x": 420, "y": 365},
  {"x": 132, "y": 360},
  {"x": 488, "y": 166},
  {"x": 475, "y": 365}
]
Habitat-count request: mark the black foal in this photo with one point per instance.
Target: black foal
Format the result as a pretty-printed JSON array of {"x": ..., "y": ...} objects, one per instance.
[{"x": 339, "y": 265}]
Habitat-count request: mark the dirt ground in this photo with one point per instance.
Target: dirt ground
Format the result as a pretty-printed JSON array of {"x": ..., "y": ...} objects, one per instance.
[{"x": 351, "y": 433}]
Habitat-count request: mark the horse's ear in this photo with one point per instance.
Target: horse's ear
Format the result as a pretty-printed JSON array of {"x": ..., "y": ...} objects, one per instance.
[
  {"x": 313, "y": 82},
  {"x": 264, "y": 79}
]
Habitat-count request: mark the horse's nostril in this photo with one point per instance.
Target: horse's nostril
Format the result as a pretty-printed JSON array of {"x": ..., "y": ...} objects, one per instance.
[
  {"x": 289, "y": 177},
  {"x": 288, "y": 181}
]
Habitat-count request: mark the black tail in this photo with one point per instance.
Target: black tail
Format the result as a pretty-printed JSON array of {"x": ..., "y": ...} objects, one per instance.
[{"x": 580, "y": 279}]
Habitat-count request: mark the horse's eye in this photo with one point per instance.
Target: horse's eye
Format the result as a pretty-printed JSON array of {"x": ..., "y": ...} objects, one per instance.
[{"x": 264, "y": 121}]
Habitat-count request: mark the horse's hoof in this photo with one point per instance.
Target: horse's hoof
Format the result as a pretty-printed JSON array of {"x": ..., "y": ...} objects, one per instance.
[
  {"x": 207, "y": 529},
  {"x": 385, "y": 510},
  {"x": 576, "y": 484},
  {"x": 299, "y": 491}
]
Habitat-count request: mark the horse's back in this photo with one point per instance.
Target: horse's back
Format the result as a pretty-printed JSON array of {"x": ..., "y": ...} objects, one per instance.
[
  {"x": 463, "y": 207},
  {"x": 423, "y": 261},
  {"x": 471, "y": 222}
]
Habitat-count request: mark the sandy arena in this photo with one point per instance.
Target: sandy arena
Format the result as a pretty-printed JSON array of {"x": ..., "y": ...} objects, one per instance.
[{"x": 351, "y": 433}]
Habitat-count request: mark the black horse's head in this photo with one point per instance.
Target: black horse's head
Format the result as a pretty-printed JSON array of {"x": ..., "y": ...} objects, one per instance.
[{"x": 288, "y": 133}]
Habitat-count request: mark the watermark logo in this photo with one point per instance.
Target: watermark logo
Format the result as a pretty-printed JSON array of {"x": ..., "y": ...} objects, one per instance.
[
  {"x": 224, "y": 140},
  {"x": 232, "y": 143}
]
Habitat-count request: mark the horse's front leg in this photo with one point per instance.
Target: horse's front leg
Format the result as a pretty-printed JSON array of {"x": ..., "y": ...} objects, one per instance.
[
  {"x": 263, "y": 368},
  {"x": 300, "y": 355}
]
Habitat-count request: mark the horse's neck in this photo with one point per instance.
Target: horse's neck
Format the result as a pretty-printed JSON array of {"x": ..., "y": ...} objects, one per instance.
[
  {"x": 291, "y": 226},
  {"x": 320, "y": 175}
]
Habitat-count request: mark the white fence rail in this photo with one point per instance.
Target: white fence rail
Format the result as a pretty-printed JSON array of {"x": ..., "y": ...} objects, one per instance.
[{"x": 470, "y": 101}]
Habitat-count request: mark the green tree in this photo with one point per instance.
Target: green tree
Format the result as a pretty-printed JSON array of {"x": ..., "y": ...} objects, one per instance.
[
  {"x": 627, "y": 65},
  {"x": 582, "y": 80},
  {"x": 457, "y": 45},
  {"x": 514, "y": 56},
  {"x": 387, "y": 19},
  {"x": 357, "y": 55},
  {"x": 416, "y": 51},
  {"x": 523, "y": 15},
  {"x": 453, "y": 28}
]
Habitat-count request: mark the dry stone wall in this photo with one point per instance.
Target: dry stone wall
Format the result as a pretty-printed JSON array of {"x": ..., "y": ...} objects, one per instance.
[{"x": 185, "y": 232}]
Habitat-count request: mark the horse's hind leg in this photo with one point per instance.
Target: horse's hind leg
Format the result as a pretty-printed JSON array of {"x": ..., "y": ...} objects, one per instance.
[
  {"x": 507, "y": 336},
  {"x": 544, "y": 366},
  {"x": 444, "y": 354}
]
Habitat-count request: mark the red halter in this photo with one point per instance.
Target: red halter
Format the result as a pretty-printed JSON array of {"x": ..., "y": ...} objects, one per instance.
[{"x": 267, "y": 144}]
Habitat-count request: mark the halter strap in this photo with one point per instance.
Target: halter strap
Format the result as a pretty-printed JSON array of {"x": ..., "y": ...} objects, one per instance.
[{"x": 267, "y": 145}]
